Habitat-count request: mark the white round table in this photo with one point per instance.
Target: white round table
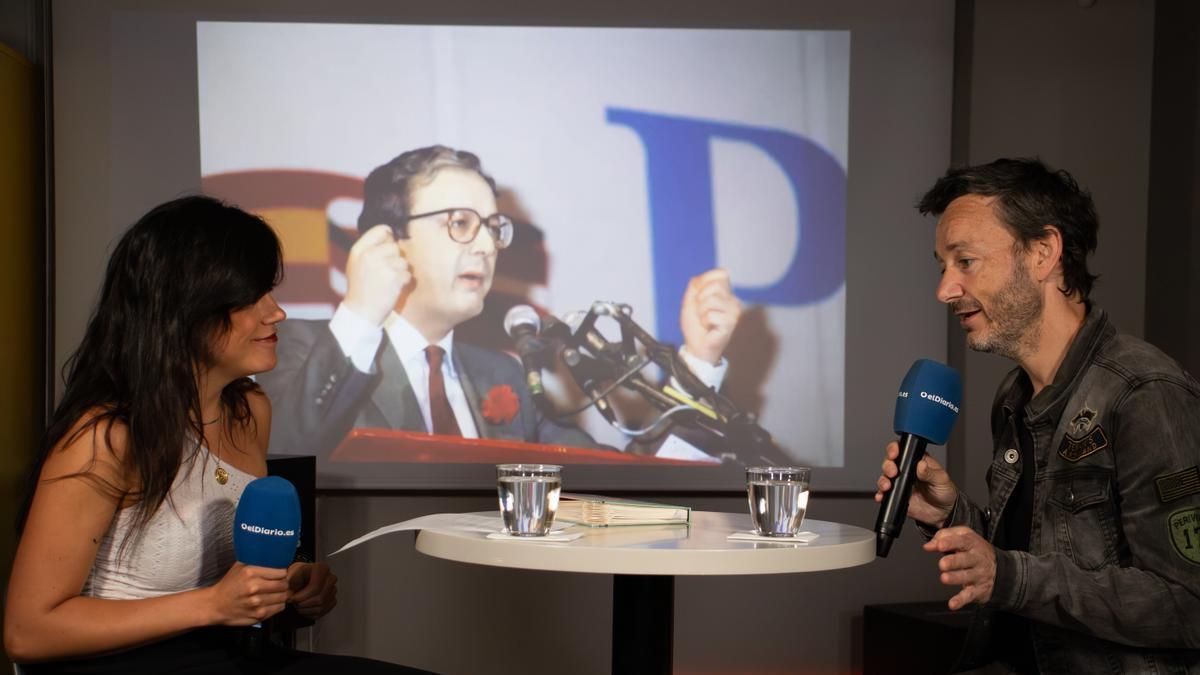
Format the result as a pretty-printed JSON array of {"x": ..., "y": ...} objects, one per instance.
[{"x": 645, "y": 560}]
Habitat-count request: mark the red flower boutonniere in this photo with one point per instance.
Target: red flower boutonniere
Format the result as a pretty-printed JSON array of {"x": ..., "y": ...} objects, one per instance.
[{"x": 501, "y": 404}]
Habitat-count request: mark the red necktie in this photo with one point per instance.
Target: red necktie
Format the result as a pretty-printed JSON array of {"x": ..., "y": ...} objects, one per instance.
[{"x": 444, "y": 422}]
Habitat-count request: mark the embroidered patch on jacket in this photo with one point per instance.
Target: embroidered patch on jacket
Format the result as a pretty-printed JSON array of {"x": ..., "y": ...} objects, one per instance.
[
  {"x": 1082, "y": 422},
  {"x": 1184, "y": 527},
  {"x": 1075, "y": 448},
  {"x": 1179, "y": 484}
]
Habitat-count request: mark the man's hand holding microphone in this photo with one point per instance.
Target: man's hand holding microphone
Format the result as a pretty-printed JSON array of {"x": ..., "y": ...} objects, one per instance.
[
  {"x": 916, "y": 485},
  {"x": 933, "y": 493}
]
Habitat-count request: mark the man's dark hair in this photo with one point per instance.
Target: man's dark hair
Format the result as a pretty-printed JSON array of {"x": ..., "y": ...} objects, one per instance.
[
  {"x": 387, "y": 192},
  {"x": 1029, "y": 196}
]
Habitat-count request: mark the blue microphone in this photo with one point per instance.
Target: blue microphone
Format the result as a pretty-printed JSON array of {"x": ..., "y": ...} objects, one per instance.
[
  {"x": 266, "y": 532},
  {"x": 926, "y": 407},
  {"x": 266, "y": 527}
]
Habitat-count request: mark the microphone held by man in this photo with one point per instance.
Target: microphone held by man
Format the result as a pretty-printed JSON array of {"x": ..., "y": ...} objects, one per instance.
[{"x": 926, "y": 407}]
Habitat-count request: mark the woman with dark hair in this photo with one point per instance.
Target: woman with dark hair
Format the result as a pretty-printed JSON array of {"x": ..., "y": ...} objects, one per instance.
[{"x": 125, "y": 562}]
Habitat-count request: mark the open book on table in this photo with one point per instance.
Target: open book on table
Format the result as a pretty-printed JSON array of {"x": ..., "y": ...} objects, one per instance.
[{"x": 597, "y": 511}]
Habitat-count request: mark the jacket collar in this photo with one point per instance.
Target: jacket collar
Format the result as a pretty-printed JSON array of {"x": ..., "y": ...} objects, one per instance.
[{"x": 1096, "y": 330}]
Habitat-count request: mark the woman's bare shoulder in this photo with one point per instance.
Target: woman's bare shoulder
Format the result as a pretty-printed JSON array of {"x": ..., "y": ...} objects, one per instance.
[{"x": 96, "y": 444}]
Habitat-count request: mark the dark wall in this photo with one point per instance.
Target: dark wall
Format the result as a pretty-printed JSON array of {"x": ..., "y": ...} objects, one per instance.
[
  {"x": 20, "y": 27},
  {"x": 1173, "y": 235},
  {"x": 22, "y": 259},
  {"x": 1069, "y": 84}
]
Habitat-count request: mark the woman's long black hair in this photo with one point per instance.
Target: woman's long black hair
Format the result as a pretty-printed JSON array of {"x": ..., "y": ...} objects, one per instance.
[{"x": 170, "y": 286}]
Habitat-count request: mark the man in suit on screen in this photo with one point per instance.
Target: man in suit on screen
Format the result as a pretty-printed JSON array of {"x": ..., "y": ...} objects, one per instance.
[{"x": 430, "y": 232}]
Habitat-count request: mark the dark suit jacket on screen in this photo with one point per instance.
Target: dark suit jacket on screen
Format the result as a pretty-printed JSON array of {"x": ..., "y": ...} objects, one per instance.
[{"x": 318, "y": 396}]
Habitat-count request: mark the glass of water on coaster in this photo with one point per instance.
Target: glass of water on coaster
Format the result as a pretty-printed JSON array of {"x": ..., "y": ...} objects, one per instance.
[
  {"x": 528, "y": 497},
  {"x": 778, "y": 499}
]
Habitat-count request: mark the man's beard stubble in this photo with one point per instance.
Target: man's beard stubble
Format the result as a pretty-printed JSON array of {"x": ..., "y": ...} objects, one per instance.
[{"x": 1014, "y": 316}]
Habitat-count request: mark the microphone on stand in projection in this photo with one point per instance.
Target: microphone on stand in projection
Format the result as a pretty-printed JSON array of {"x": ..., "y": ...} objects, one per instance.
[
  {"x": 522, "y": 324},
  {"x": 610, "y": 355},
  {"x": 266, "y": 533},
  {"x": 587, "y": 371},
  {"x": 926, "y": 408},
  {"x": 531, "y": 334},
  {"x": 599, "y": 365}
]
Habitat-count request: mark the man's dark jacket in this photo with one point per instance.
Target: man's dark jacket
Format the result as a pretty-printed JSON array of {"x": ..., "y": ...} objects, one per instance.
[
  {"x": 318, "y": 396},
  {"x": 1111, "y": 580}
]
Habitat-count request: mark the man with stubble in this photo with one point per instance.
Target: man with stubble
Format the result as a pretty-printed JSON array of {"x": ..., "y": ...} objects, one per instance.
[{"x": 1086, "y": 556}]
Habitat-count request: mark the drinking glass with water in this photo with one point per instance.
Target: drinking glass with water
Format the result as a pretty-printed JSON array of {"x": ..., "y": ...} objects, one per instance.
[
  {"x": 778, "y": 499},
  {"x": 528, "y": 497}
]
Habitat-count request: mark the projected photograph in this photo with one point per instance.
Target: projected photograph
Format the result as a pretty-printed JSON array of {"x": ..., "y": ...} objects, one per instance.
[{"x": 523, "y": 244}]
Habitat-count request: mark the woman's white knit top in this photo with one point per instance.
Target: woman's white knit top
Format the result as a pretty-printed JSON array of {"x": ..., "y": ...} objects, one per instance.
[{"x": 187, "y": 544}]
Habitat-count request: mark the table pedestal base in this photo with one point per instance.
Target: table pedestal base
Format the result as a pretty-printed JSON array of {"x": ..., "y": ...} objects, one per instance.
[{"x": 643, "y": 623}]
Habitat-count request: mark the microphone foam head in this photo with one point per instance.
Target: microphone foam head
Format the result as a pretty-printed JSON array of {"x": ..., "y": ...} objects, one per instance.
[
  {"x": 521, "y": 315},
  {"x": 266, "y": 527},
  {"x": 928, "y": 400}
]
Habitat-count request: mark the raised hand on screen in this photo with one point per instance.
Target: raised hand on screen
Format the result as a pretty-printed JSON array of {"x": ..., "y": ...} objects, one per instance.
[
  {"x": 376, "y": 275},
  {"x": 709, "y": 314}
]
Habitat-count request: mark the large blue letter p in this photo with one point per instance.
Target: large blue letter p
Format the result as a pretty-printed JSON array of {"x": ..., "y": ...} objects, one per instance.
[{"x": 683, "y": 238}]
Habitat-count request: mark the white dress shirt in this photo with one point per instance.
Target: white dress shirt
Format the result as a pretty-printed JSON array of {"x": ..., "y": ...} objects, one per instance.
[{"x": 359, "y": 340}]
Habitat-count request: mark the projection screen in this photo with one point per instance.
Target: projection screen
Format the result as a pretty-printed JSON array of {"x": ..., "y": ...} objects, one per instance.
[{"x": 630, "y": 157}]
